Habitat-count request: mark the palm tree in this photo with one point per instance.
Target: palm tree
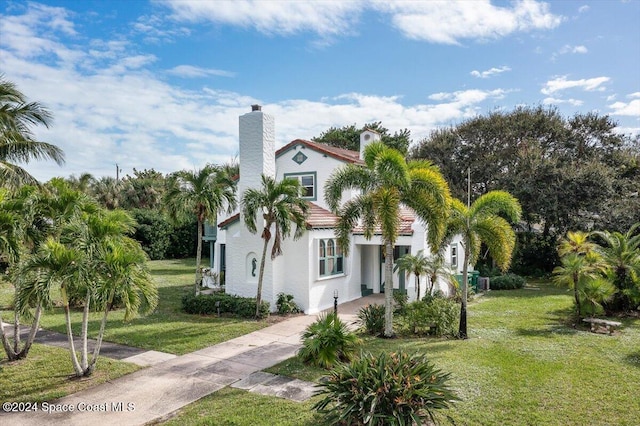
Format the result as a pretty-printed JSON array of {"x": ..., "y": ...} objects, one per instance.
[
  {"x": 576, "y": 271},
  {"x": 437, "y": 267},
  {"x": 203, "y": 193},
  {"x": 92, "y": 255},
  {"x": 280, "y": 204},
  {"x": 621, "y": 253},
  {"x": 17, "y": 143},
  {"x": 385, "y": 183},
  {"x": 108, "y": 191},
  {"x": 413, "y": 264},
  {"x": 484, "y": 222}
]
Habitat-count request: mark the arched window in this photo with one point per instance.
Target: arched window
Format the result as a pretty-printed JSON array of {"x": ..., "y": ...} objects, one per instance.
[{"x": 330, "y": 257}]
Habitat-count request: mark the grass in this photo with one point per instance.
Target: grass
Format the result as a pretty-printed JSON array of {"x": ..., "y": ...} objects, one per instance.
[
  {"x": 54, "y": 375},
  {"x": 167, "y": 329}
]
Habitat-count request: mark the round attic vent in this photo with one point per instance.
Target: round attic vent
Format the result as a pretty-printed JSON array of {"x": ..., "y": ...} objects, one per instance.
[{"x": 367, "y": 137}]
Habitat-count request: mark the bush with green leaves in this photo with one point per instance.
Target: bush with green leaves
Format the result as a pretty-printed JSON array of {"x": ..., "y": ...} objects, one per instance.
[
  {"x": 433, "y": 315},
  {"x": 400, "y": 299},
  {"x": 205, "y": 304},
  {"x": 507, "y": 282},
  {"x": 153, "y": 232},
  {"x": 328, "y": 341},
  {"x": 386, "y": 389},
  {"x": 372, "y": 319},
  {"x": 286, "y": 305}
]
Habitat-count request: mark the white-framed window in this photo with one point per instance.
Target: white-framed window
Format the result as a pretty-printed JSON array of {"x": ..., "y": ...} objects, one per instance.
[
  {"x": 307, "y": 182},
  {"x": 330, "y": 258},
  {"x": 454, "y": 255}
]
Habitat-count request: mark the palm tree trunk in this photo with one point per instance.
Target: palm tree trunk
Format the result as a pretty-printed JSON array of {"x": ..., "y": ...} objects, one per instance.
[
  {"x": 16, "y": 331},
  {"x": 6, "y": 343},
  {"x": 96, "y": 349},
  {"x": 198, "y": 257},
  {"x": 417, "y": 287},
  {"x": 32, "y": 333},
  {"x": 263, "y": 261},
  {"x": 67, "y": 316},
  {"x": 576, "y": 295},
  {"x": 462, "y": 330},
  {"x": 388, "y": 290},
  {"x": 84, "y": 362}
]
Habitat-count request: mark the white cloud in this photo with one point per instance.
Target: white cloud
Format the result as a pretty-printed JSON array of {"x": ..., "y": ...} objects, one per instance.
[
  {"x": 557, "y": 101},
  {"x": 490, "y": 72},
  {"x": 561, "y": 83},
  {"x": 579, "y": 49},
  {"x": 567, "y": 48},
  {"x": 190, "y": 71},
  {"x": 583, "y": 9},
  {"x": 450, "y": 22},
  {"x": 631, "y": 108}
]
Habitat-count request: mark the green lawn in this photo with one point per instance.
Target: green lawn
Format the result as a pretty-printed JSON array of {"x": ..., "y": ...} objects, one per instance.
[
  {"x": 167, "y": 329},
  {"x": 524, "y": 364},
  {"x": 47, "y": 374}
]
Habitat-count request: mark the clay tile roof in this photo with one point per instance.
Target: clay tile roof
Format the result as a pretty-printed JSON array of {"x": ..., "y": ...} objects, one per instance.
[
  {"x": 407, "y": 217},
  {"x": 320, "y": 218},
  {"x": 228, "y": 221},
  {"x": 338, "y": 153}
]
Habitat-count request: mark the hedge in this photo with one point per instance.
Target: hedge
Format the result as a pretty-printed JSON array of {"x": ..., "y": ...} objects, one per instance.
[
  {"x": 205, "y": 304},
  {"x": 506, "y": 282}
]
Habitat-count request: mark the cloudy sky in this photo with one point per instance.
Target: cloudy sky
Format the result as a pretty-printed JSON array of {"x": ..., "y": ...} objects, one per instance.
[{"x": 160, "y": 84}]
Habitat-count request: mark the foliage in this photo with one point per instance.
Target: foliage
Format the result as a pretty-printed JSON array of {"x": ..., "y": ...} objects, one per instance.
[
  {"x": 594, "y": 293},
  {"x": 400, "y": 299},
  {"x": 372, "y": 319},
  {"x": 208, "y": 304},
  {"x": 385, "y": 389},
  {"x": 286, "y": 305},
  {"x": 384, "y": 183},
  {"x": 432, "y": 315},
  {"x": 327, "y": 341},
  {"x": 200, "y": 194},
  {"x": 486, "y": 221},
  {"x": 348, "y": 137},
  {"x": 413, "y": 264},
  {"x": 507, "y": 282},
  {"x": 182, "y": 240},
  {"x": 279, "y": 204},
  {"x": 144, "y": 190},
  {"x": 153, "y": 232},
  {"x": 574, "y": 172},
  {"x": 17, "y": 142}
]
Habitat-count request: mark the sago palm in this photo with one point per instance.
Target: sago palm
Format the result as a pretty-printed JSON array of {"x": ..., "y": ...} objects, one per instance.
[
  {"x": 575, "y": 272},
  {"x": 203, "y": 194},
  {"x": 385, "y": 183},
  {"x": 17, "y": 142},
  {"x": 278, "y": 205},
  {"x": 486, "y": 220}
]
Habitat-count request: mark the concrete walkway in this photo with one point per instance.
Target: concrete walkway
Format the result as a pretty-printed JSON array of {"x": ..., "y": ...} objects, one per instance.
[{"x": 159, "y": 390}]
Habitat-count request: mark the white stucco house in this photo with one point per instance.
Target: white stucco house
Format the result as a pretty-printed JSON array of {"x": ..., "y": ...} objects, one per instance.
[{"x": 312, "y": 268}]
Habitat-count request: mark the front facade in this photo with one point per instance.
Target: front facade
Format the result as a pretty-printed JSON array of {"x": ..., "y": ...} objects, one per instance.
[{"x": 312, "y": 269}]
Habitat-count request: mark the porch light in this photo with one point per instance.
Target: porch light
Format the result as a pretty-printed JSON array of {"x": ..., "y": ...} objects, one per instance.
[{"x": 335, "y": 302}]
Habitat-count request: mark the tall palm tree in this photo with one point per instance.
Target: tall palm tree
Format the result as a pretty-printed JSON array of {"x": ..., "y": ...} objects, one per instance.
[
  {"x": 203, "y": 193},
  {"x": 17, "y": 143},
  {"x": 621, "y": 253},
  {"x": 92, "y": 254},
  {"x": 484, "y": 222},
  {"x": 280, "y": 205},
  {"x": 413, "y": 264},
  {"x": 384, "y": 184}
]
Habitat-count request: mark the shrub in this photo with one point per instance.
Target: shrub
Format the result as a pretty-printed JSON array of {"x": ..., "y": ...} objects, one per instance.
[
  {"x": 152, "y": 232},
  {"x": 433, "y": 315},
  {"x": 388, "y": 389},
  {"x": 372, "y": 319},
  {"x": 327, "y": 341},
  {"x": 205, "y": 304},
  {"x": 400, "y": 300},
  {"x": 507, "y": 282},
  {"x": 286, "y": 305}
]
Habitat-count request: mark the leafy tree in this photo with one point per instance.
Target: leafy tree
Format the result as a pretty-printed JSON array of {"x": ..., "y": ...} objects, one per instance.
[
  {"x": 484, "y": 222},
  {"x": 203, "y": 194},
  {"x": 280, "y": 204},
  {"x": 153, "y": 232},
  {"x": 413, "y": 264},
  {"x": 144, "y": 190},
  {"x": 17, "y": 142},
  {"x": 385, "y": 183},
  {"x": 108, "y": 192},
  {"x": 348, "y": 137}
]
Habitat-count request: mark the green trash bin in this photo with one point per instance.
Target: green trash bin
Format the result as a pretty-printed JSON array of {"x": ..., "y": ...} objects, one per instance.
[
  {"x": 459, "y": 279},
  {"x": 473, "y": 278}
]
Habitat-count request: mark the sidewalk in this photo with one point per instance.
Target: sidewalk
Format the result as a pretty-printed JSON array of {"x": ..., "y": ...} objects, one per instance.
[{"x": 159, "y": 390}]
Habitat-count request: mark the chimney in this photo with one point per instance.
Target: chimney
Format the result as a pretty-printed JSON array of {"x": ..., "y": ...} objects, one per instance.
[
  {"x": 366, "y": 137},
  {"x": 257, "y": 148}
]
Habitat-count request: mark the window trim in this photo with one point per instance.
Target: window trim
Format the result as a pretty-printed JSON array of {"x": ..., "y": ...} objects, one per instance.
[
  {"x": 454, "y": 255},
  {"x": 337, "y": 257},
  {"x": 299, "y": 175}
]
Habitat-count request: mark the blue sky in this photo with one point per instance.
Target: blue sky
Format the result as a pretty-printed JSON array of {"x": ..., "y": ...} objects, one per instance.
[{"x": 160, "y": 84}]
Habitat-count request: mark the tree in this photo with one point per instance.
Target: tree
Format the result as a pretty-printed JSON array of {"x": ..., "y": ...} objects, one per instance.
[
  {"x": 144, "y": 190},
  {"x": 348, "y": 137},
  {"x": 93, "y": 255},
  {"x": 413, "y": 264},
  {"x": 17, "y": 142},
  {"x": 108, "y": 192},
  {"x": 280, "y": 204},
  {"x": 385, "y": 183},
  {"x": 484, "y": 222},
  {"x": 621, "y": 253},
  {"x": 203, "y": 194}
]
